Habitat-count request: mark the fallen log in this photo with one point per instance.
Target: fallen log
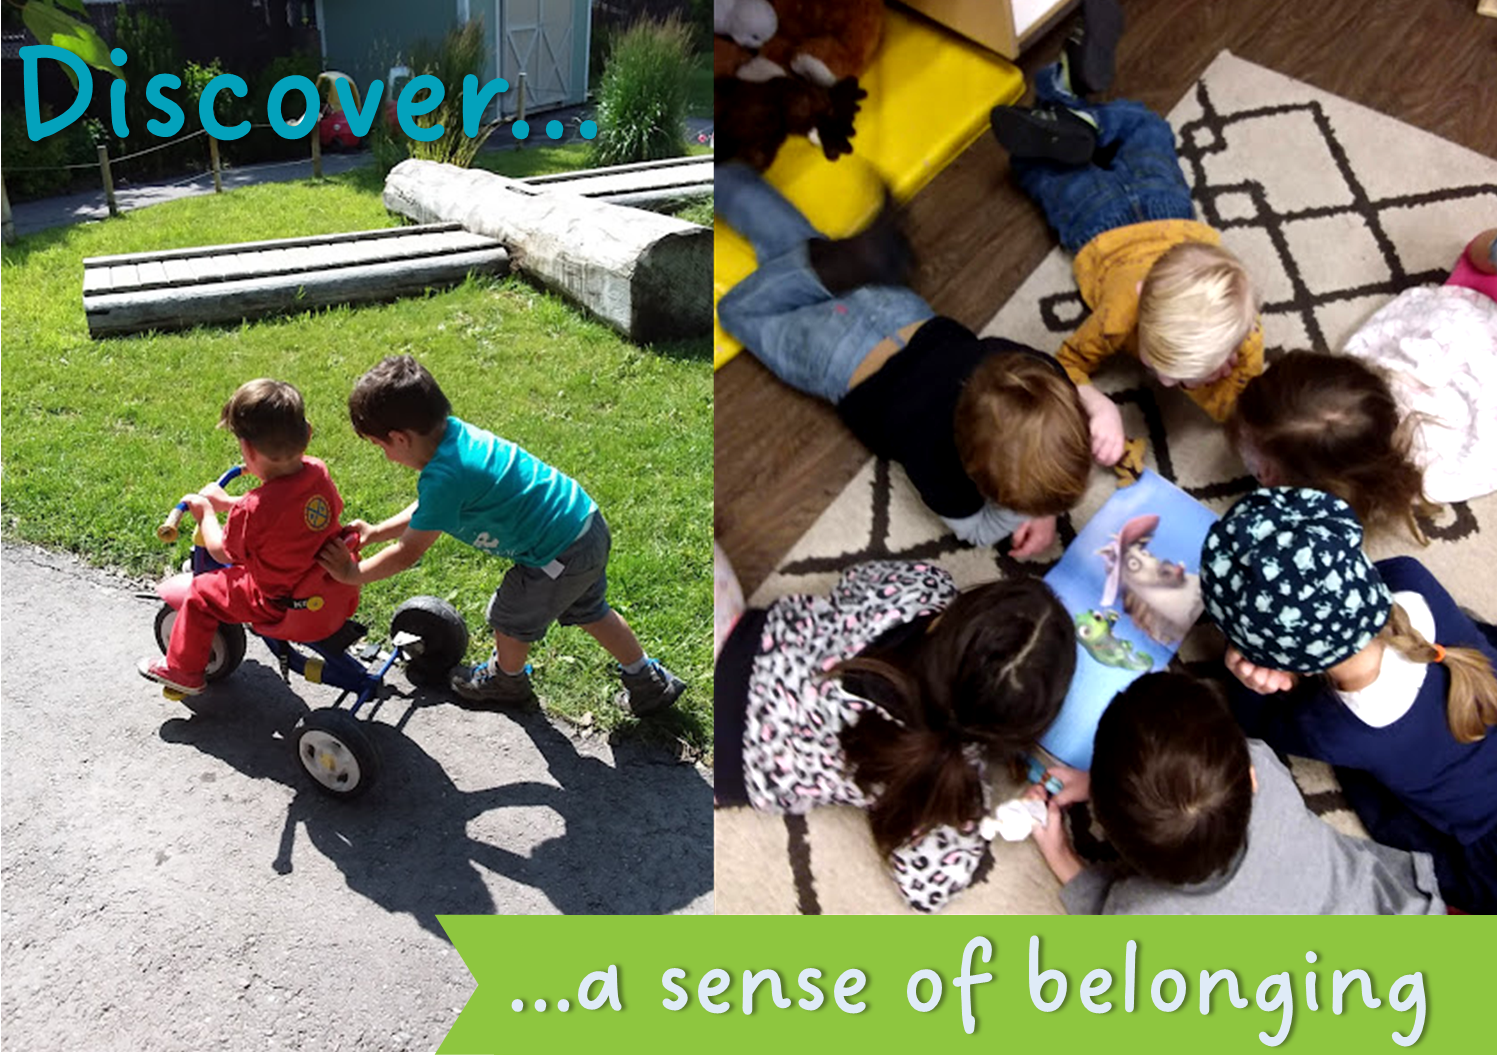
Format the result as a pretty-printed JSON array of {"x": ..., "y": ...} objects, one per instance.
[{"x": 646, "y": 275}]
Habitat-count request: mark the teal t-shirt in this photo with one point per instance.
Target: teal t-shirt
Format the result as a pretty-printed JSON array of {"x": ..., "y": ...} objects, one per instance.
[{"x": 496, "y": 496}]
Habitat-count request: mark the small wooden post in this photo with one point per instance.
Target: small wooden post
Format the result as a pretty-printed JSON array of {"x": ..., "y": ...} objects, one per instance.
[
  {"x": 218, "y": 180},
  {"x": 520, "y": 105},
  {"x": 8, "y": 227},
  {"x": 316, "y": 152},
  {"x": 114, "y": 209}
]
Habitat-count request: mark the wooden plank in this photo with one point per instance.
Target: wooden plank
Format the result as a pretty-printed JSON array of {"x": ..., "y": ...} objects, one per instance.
[
  {"x": 179, "y": 271},
  {"x": 153, "y": 273},
  {"x": 124, "y": 277},
  {"x": 95, "y": 280},
  {"x": 701, "y": 161},
  {"x": 227, "y": 302},
  {"x": 207, "y": 269},
  {"x": 277, "y": 243}
]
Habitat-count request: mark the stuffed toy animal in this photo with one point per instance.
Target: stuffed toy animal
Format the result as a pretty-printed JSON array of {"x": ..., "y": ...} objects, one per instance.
[
  {"x": 749, "y": 22},
  {"x": 825, "y": 40},
  {"x": 753, "y": 118}
]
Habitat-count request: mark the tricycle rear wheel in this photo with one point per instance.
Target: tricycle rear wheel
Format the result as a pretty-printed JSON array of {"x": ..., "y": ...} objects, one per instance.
[
  {"x": 228, "y": 644},
  {"x": 442, "y": 639}
]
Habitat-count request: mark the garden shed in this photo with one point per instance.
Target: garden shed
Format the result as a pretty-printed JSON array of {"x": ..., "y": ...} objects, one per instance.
[{"x": 547, "y": 40}]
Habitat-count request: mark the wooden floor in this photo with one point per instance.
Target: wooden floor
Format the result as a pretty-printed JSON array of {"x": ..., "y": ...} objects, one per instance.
[{"x": 782, "y": 457}]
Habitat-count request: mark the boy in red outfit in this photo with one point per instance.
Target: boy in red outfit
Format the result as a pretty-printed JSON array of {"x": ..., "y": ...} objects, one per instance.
[{"x": 271, "y": 540}]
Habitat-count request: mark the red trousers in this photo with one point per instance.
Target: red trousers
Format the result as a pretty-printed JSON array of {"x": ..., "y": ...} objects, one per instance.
[{"x": 230, "y": 595}]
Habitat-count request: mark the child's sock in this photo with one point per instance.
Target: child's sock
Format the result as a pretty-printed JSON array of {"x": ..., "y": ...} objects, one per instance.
[
  {"x": 879, "y": 255},
  {"x": 506, "y": 671},
  {"x": 636, "y": 667}
]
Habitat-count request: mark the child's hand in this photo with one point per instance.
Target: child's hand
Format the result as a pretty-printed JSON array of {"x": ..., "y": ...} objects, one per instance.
[
  {"x": 338, "y": 562},
  {"x": 199, "y": 506},
  {"x": 365, "y": 530},
  {"x": 1259, "y": 679},
  {"x": 1051, "y": 839},
  {"x": 1076, "y": 785},
  {"x": 220, "y": 500},
  {"x": 1105, "y": 422},
  {"x": 1033, "y": 537}
]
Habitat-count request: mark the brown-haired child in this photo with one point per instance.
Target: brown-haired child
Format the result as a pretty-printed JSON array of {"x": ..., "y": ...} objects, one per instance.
[
  {"x": 270, "y": 540},
  {"x": 495, "y": 496},
  {"x": 892, "y": 694},
  {"x": 1331, "y": 422},
  {"x": 1207, "y": 821},
  {"x": 992, "y": 434}
]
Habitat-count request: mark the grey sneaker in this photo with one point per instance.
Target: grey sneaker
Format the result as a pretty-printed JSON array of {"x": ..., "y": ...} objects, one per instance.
[
  {"x": 485, "y": 684},
  {"x": 652, "y": 690}
]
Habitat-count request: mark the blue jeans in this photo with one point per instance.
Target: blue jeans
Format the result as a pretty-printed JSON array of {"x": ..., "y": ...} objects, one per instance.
[
  {"x": 1142, "y": 182},
  {"x": 806, "y": 336}
]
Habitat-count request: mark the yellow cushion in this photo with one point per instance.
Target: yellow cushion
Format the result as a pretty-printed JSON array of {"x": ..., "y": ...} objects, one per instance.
[{"x": 929, "y": 94}]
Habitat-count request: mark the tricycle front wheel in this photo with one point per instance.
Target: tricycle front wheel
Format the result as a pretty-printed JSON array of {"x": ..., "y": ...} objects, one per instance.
[{"x": 336, "y": 753}]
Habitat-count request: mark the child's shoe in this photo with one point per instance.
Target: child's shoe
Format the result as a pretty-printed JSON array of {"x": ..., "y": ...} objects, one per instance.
[
  {"x": 1045, "y": 133},
  {"x": 653, "y": 689},
  {"x": 485, "y": 683},
  {"x": 157, "y": 671}
]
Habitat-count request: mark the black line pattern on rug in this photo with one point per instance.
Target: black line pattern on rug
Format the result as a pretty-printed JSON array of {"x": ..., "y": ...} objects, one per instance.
[{"x": 798, "y": 846}]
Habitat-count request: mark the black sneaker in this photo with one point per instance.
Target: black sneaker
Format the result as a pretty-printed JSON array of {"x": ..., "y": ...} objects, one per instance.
[
  {"x": 652, "y": 690},
  {"x": 1046, "y": 133},
  {"x": 485, "y": 684},
  {"x": 1091, "y": 50}
]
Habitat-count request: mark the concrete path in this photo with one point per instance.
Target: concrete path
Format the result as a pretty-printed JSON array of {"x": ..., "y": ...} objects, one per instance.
[
  {"x": 172, "y": 881},
  {"x": 45, "y": 213}
]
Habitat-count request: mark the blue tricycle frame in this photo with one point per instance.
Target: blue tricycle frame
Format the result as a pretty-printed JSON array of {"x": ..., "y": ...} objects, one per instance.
[{"x": 329, "y": 743}]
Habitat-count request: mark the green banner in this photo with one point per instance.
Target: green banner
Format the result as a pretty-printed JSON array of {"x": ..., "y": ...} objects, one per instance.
[{"x": 978, "y": 984}]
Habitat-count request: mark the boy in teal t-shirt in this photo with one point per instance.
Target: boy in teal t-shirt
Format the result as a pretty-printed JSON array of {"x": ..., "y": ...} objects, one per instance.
[{"x": 497, "y": 497}]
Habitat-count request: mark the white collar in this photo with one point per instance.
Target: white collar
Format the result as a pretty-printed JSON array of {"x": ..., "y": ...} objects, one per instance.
[{"x": 1399, "y": 679}]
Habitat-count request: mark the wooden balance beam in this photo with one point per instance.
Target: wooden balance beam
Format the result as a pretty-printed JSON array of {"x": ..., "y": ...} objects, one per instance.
[{"x": 179, "y": 288}]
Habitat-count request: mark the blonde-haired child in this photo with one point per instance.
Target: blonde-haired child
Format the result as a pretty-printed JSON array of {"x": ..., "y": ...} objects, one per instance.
[{"x": 1158, "y": 282}]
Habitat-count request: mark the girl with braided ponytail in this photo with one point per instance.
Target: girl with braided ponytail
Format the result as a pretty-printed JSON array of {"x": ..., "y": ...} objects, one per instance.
[
  {"x": 1406, "y": 698},
  {"x": 892, "y": 694}
]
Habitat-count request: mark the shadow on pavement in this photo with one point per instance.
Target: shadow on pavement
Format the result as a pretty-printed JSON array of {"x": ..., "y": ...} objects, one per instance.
[{"x": 638, "y": 833}]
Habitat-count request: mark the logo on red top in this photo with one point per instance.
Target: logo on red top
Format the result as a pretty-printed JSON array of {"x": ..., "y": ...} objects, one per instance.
[{"x": 318, "y": 514}]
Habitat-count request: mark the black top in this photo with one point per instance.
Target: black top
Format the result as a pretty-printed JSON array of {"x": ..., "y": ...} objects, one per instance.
[{"x": 906, "y": 411}]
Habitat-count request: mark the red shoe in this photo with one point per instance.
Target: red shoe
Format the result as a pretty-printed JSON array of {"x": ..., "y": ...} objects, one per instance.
[{"x": 157, "y": 671}]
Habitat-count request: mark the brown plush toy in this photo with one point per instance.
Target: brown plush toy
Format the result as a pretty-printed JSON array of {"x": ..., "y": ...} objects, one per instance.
[
  {"x": 825, "y": 40},
  {"x": 753, "y": 118}
]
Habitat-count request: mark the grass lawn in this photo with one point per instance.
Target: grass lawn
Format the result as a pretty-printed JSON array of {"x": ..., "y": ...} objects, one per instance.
[{"x": 101, "y": 437}]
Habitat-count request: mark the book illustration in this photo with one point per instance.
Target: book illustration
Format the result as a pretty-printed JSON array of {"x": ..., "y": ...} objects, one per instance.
[
  {"x": 1159, "y": 595},
  {"x": 1130, "y": 582},
  {"x": 1094, "y": 632}
]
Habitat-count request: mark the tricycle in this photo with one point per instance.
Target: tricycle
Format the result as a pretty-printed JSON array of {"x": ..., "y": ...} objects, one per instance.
[{"x": 329, "y": 743}]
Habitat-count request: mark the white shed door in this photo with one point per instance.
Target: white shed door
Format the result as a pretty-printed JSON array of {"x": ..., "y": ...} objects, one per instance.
[{"x": 535, "y": 37}]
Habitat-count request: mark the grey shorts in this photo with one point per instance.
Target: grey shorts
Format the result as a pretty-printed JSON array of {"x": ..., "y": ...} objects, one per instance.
[{"x": 529, "y": 600}]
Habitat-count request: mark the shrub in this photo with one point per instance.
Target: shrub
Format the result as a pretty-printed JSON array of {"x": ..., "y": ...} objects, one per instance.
[
  {"x": 642, "y": 98},
  {"x": 37, "y": 169},
  {"x": 460, "y": 53}
]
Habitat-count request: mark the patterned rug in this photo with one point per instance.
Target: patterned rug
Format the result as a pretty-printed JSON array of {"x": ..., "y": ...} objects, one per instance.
[{"x": 1334, "y": 209}]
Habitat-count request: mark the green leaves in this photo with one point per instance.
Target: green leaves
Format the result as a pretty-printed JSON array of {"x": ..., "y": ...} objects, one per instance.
[{"x": 50, "y": 25}]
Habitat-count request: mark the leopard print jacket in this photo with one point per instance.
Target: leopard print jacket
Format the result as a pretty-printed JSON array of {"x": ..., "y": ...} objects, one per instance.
[{"x": 792, "y": 748}]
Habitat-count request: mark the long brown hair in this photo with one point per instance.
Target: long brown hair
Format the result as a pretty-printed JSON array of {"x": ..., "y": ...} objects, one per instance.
[
  {"x": 1471, "y": 703},
  {"x": 1330, "y": 422},
  {"x": 991, "y": 672}
]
